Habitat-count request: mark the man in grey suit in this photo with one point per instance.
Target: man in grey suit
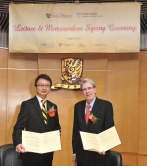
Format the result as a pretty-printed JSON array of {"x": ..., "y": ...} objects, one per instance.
[
  {"x": 100, "y": 118},
  {"x": 33, "y": 118}
]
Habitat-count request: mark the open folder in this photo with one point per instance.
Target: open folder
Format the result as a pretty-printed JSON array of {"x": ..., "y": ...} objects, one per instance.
[
  {"x": 100, "y": 142},
  {"x": 41, "y": 142}
]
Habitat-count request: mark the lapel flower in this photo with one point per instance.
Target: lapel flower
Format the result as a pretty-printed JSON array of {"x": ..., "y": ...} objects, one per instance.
[
  {"x": 51, "y": 111},
  {"x": 93, "y": 118}
]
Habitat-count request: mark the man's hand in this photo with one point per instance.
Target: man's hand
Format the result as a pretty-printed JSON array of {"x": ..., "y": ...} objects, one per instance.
[
  {"x": 20, "y": 148},
  {"x": 74, "y": 160},
  {"x": 102, "y": 153}
]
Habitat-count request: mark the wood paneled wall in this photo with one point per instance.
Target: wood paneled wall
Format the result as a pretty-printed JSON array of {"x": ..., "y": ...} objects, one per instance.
[{"x": 120, "y": 78}]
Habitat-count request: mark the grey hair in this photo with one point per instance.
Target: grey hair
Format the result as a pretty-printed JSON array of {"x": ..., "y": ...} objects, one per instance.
[{"x": 87, "y": 80}]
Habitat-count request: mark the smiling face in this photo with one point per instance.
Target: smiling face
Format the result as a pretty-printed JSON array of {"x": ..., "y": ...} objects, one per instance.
[
  {"x": 43, "y": 88},
  {"x": 88, "y": 91}
]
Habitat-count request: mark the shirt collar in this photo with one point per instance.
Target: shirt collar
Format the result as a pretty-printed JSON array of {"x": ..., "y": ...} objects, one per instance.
[
  {"x": 39, "y": 98},
  {"x": 92, "y": 103}
]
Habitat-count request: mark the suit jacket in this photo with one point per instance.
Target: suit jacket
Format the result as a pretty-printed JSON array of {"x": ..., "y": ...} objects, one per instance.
[
  {"x": 31, "y": 119},
  {"x": 103, "y": 110}
]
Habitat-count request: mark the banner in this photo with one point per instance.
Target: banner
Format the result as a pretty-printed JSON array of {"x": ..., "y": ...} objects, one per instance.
[{"x": 74, "y": 28}]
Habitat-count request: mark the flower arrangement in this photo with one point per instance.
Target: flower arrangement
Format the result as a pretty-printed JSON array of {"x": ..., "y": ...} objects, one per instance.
[
  {"x": 51, "y": 111},
  {"x": 93, "y": 118}
]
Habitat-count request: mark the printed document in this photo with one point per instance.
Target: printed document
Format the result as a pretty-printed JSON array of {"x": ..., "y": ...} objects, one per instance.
[
  {"x": 41, "y": 142},
  {"x": 100, "y": 142}
]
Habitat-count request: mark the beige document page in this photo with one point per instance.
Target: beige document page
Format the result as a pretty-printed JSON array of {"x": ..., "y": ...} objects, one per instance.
[
  {"x": 41, "y": 143},
  {"x": 102, "y": 141}
]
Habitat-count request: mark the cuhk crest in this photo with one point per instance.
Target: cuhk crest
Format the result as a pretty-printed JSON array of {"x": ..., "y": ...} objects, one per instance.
[{"x": 72, "y": 69}]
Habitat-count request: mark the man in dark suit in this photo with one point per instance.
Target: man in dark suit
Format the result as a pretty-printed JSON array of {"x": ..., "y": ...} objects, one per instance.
[
  {"x": 32, "y": 118},
  {"x": 99, "y": 119}
]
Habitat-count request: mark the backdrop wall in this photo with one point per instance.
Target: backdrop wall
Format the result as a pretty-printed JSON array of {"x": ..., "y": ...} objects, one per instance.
[{"x": 120, "y": 78}]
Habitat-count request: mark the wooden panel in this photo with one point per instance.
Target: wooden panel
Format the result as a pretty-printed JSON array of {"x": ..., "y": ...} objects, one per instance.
[
  {"x": 121, "y": 89},
  {"x": 20, "y": 88},
  {"x": 3, "y": 94},
  {"x": 142, "y": 142},
  {"x": 129, "y": 159},
  {"x": 91, "y": 61},
  {"x": 142, "y": 160},
  {"x": 3, "y": 58},
  {"x": 143, "y": 60},
  {"x": 23, "y": 61},
  {"x": 94, "y": 62},
  {"x": 123, "y": 61},
  {"x": 3, "y": 104},
  {"x": 2, "y": 130},
  {"x": 21, "y": 75}
]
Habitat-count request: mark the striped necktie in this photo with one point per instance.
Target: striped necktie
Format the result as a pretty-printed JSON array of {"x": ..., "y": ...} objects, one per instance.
[
  {"x": 44, "y": 112},
  {"x": 87, "y": 113}
]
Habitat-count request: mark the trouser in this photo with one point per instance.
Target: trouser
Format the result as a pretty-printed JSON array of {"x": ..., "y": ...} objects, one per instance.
[
  {"x": 91, "y": 165},
  {"x": 99, "y": 165},
  {"x": 41, "y": 163}
]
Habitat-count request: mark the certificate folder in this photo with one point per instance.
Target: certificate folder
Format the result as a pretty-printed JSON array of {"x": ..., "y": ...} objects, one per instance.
[
  {"x": 41, "y": 142},
  {"x": 100, "y": 142}
]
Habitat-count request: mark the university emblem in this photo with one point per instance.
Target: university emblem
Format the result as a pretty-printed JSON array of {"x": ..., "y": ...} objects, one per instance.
[{"x": 72, "y": 70}]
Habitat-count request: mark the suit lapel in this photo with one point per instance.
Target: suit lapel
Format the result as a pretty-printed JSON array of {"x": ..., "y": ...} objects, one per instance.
[
  {"x": 50, "y": 120},
  {"x": 38, "y": 109},
  {"x": 96, "y": 106},
  {"x": 83, "y": 112},
  {"x": 49, "y": 105}
]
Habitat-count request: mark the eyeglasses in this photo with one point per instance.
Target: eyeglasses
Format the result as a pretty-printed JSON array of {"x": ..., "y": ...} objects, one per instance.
[
  {"x": 85, "y": 89},
  {"x": 42, "y": 86}
]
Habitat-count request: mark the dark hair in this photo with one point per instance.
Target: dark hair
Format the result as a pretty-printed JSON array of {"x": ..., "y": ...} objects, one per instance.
[{"x": 43, "y": 76}]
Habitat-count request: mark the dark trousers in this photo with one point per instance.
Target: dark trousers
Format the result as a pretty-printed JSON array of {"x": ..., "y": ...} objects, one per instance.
[
  {"x": 92, "y": 165},
  {"x": 98, "y": 165},
  {"x": 41, "y": 163}
]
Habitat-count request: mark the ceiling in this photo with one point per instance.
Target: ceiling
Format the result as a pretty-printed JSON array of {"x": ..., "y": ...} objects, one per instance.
[{"x": 4, "y": 4}]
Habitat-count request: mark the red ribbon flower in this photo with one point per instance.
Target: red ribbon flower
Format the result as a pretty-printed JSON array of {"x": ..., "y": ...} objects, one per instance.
[
  {"x": 51, "y": 112},
  {"x": 93, "y": 118}
]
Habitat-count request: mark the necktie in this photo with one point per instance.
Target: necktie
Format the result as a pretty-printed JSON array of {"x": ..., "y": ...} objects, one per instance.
[
  {"x": 44, "y": 112},
  {"x": 87, "y": 113}
]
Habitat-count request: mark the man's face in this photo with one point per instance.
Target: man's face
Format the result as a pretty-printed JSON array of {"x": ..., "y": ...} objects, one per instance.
[
  {"x": 88, "y": 92},
  {"x": 43, "y": 88}
]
